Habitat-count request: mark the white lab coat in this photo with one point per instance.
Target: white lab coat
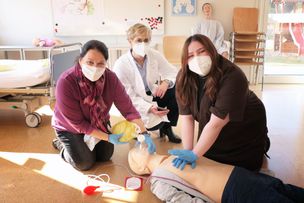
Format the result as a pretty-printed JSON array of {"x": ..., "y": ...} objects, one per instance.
[
  {"x": 214, "y": 30},
  {"x": 158, "y": 68}
]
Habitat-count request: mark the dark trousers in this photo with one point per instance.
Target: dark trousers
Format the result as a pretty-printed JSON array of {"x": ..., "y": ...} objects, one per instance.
[
  {"x": 76, "y": 152},
  {"x": 168, "y": 101},
  {"x": 247, "y": 186}
]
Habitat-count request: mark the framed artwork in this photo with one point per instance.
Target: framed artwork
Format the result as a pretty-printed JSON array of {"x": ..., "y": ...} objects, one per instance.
[
  {"x": 105, "y": 17},
  {"x": 183, "y": 7}
]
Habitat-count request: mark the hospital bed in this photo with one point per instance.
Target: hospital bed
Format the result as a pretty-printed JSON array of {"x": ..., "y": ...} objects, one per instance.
[{"x": 27, "y": 84}]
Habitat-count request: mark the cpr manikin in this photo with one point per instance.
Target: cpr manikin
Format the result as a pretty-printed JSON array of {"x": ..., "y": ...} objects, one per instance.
[
  {"x": 211, "y": 28},
  {"x": 212, "y": 175},
  {"x": 219, "y": 182}
]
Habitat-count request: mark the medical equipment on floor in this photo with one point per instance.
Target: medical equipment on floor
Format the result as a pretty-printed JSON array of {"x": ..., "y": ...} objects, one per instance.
[
  {"x": 97, "y": 183},
  {"x": 101, "y": 183}
]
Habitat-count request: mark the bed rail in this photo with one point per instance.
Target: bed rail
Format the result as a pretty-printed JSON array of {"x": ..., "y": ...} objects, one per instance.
[
  {"x": 43, "y": 89},
  {"x": 52, "y": 54},
  {"x": 28, "y": 99}
]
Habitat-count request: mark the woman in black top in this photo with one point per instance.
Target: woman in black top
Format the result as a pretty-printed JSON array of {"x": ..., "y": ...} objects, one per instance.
[{"x": 232, "y": 119}]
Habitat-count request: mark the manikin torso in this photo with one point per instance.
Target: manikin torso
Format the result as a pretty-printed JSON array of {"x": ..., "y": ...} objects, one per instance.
[{"x": 209, "y": 177}]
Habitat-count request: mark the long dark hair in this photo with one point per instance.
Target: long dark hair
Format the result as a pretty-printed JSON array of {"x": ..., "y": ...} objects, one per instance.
[{"x": 187, "y": 83}]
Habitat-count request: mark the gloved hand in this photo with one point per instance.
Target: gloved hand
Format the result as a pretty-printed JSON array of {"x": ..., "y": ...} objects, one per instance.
[
  {"x": 150, "y": 143},
  {"x": 114, "y": 138},
  {"x": 183, "y": 157},
  {"x": 177, "y": 162}
]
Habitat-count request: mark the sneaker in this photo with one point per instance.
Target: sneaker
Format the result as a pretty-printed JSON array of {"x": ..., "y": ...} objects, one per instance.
[{"x": 57, "y": 144}]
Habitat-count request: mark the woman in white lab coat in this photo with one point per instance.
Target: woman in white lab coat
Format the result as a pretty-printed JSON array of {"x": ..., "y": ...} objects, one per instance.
[
  {"x": 149, "y": 79},
  {"x": 211, "y": 28}
]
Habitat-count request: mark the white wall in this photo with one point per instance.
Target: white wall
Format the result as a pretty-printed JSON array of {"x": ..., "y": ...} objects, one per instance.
[{"x": 22, "y": 20}]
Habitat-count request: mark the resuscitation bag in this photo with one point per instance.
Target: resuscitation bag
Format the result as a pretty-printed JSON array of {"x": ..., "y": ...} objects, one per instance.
[{"x": 130, "y": 130}]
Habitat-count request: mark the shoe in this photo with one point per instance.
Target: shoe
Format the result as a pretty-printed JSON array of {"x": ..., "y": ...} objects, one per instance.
[
  {"x": 171, "y": 136},
  {"x": 57, "y": 144},
  {"x": 162, "y": 132}
]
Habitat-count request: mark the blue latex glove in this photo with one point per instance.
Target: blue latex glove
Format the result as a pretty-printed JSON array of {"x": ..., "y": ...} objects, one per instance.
[
  {"x": 114, "y": 138},
  {"x": 184, "y": 157},
  {"x": 177, "y": 162},
  {"x": 150, "y": 143}
]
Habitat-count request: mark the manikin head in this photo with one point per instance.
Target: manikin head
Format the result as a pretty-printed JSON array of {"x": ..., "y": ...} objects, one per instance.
[
  {"x": 143, "y": 163},
  {"x": 207, "y": 10}
]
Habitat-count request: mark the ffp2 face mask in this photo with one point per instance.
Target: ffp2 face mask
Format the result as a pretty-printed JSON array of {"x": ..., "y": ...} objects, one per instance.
[
  {"x": 91, "y": 72},
  {"x": 140, "y": 48},
  {"x": 200, "y": 65}
]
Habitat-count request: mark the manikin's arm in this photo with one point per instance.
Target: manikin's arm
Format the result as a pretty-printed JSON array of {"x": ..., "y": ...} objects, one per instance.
[
  {"x": 210, "y": 134},
  {"x": 187, "y": 131},
  {"x": 219, "y": 40}
]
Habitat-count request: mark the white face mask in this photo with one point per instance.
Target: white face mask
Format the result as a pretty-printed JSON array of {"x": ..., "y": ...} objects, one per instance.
[
  {"x": 91, "y": 72},
  {"x": 140, "y": 48},
  {"x": 200, "y": 65}
]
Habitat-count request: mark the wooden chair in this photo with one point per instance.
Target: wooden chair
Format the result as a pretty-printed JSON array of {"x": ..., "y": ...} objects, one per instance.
[
  {"x": 172, "y": 48},
  {"x": 247, "y": 44},
  {"x": 245, "y": 19}
]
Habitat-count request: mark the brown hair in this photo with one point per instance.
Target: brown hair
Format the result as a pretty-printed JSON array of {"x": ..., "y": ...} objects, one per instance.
[
  {"x": 205, "y": 4},
  {"x": 187, "y": 83}
]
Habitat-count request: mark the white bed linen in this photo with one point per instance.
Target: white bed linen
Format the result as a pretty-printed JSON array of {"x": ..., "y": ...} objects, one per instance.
[{"x": 23, "y": 73}]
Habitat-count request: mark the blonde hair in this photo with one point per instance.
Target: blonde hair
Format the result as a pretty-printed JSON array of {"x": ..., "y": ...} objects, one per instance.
[{"x": 138, "y": 29}]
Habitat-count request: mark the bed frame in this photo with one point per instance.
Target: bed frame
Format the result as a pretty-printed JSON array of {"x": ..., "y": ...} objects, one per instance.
[{"x": 28, "y": 99}]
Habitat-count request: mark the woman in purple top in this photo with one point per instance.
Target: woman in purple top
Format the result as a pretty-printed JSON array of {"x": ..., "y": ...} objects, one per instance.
[{"x": 84, "y": 96}]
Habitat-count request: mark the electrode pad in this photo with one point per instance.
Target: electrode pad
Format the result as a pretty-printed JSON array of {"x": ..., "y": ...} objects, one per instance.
[{"x": 134, "y": 183}]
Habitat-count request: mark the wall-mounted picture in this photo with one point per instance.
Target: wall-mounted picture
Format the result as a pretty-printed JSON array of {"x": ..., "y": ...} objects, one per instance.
[
  {"x": 71, "y": 17},
  {"x": 183, "y": 7}
]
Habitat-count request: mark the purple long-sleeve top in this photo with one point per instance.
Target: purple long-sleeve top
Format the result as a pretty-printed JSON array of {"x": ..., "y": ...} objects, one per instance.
[{"x": 72, "y": 115}]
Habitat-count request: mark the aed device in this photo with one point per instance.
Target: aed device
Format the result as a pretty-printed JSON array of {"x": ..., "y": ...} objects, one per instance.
[{"x": 134, "y": 183}]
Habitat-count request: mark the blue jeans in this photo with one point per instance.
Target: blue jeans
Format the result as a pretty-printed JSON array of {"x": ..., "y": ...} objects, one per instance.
[{"x": 76, "y": 152}]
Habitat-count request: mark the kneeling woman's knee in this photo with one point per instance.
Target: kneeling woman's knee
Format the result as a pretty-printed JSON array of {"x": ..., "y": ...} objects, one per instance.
[
  {"x": 84, "y": 164},
  {"x": 104, "y": 151}
]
